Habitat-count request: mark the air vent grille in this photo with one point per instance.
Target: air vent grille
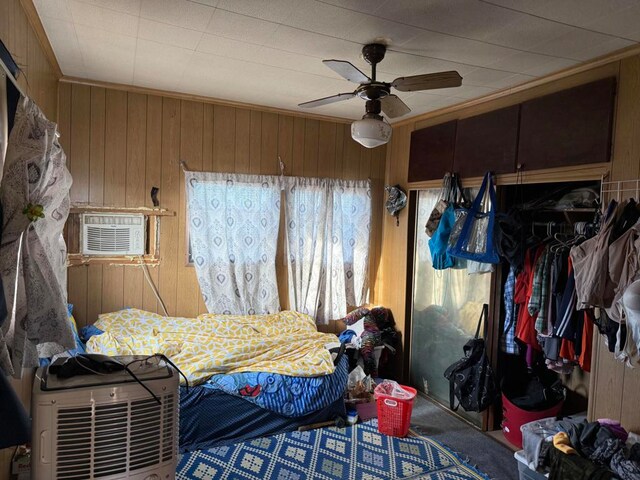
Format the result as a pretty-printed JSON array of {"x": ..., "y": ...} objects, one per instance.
[
  {"x": 101, "y": 239},
  {"x": 111, "y": 439}
]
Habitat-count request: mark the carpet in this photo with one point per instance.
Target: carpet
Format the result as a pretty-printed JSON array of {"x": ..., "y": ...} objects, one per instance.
[
  {"x": 488, "y": 455},
  {"x": 357, "y": 452}
]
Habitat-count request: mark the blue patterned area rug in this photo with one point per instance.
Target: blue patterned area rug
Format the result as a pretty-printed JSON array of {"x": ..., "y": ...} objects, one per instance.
[{"x": 357, "y": 452}]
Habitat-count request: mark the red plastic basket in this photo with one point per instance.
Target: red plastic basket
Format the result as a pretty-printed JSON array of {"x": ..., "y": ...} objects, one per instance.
[{"x": 394, "y": 414}]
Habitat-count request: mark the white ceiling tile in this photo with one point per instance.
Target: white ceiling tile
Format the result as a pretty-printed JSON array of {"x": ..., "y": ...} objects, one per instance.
[
  {"x": 159, "y": 64},
  {"x": 573, "y": 45},
  {"x": 241, "y": 27},
  {"x": 107, "y": 56},
  {"x": 530, "y": 63},
  {"x": 94, "y": 16},
  {"x": 313, "y": 44},
  {"x": 371, "y": 29},
  {"x": 572, "y": 12},
  {"x": 274, "y": 10},
  {"x": 62, "y": 36},
  {"x": 181, "y": 13},
  {"x": 551, "y": 66},
  {"x": 58, "y": 9},
  {"x": 624, "y": 23},
  {"x": 364, "y": 6},
  {"x": 294, "y": 61},
  {"x": 229, "y": 48},
  {"x": 319, "y": 17},
  {"x": 526, "y": 31},
  {"x": 465, "y": 18},
  {"x": 445, "y": 47},
  {"x": 597, "y": 50},
  {"x": 208, "y": 3},
  {"x": 270, "y": 53},
  {"x": 132, "y": 7},
  {"x": 169, "y": 34}
]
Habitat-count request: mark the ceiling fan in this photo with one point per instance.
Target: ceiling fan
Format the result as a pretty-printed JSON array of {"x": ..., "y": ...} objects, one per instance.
[{"x": 372, "y": 131}]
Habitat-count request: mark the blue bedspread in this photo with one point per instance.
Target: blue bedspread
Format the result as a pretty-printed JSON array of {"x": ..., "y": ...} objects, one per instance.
[{"x": 283, "y": 394}]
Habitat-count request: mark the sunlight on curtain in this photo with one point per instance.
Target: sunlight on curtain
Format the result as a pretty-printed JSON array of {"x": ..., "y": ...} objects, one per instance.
[
  {"x": 328, "y": 231},
  {"x": 446, "y": 308},
  {"x": 233, "y": 226}
]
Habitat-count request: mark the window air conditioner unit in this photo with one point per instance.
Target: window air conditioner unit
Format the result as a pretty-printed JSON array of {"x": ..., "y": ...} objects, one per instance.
[
  {"x": 105, "y": 426},
  {"x": 113, "y": 234}
]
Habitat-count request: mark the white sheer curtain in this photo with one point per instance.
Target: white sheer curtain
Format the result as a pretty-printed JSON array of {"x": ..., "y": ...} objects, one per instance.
[
  {"x": 233, "y": 227},
  {"x": 328, "y": 223},
  {"x": 33, "y": 253}
]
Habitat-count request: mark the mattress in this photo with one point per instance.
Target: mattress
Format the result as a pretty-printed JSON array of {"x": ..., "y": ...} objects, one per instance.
[{"x": 212, "y": 418}]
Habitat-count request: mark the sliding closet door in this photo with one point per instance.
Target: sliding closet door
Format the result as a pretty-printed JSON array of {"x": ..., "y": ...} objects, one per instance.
[{"x": 445, "y": 311}]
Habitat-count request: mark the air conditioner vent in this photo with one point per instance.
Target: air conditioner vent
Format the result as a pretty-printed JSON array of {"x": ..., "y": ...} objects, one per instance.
[{"x": 113, "y": 234}]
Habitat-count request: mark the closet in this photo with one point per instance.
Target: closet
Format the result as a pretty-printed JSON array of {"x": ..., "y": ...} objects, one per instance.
[
  {"x": 540, "y": 151},
  {"x": 446, "y": 304}
]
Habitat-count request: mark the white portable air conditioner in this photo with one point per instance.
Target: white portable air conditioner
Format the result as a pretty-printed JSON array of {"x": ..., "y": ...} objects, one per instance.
[
  {"x": 113, "y": 234},
  {"x": 105, "y": 426}
]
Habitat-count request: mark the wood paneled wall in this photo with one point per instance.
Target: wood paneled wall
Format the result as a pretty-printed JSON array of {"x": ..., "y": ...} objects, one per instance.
[
  {"x": 40, "y": 82},
  {"x": 38, "y": 77},
  {"x": 614, "y": 389},
  {"x": 119, "y": 144}
]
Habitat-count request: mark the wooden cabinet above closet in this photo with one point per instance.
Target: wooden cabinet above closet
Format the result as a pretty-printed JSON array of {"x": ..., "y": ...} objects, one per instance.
[
  {"x": 570, "y": 127},
  {"x": 487, "y": 142},
  {"x": 432, "y": 150}
]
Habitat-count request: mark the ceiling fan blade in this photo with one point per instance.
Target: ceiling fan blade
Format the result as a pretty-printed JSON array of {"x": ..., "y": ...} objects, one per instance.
[
  {"x": 393, "y": 107},
  {"x": 347, "y": 70},
  {"x": 327, "y": 100},
  {"x": 428, "y": 81}
]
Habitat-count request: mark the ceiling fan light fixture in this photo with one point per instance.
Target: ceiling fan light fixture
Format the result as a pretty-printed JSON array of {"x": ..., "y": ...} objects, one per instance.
[{"x": 372, "y": 131}]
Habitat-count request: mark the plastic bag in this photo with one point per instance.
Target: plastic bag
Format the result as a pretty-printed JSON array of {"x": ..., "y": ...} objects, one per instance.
[{"x": 393, "y": 389}]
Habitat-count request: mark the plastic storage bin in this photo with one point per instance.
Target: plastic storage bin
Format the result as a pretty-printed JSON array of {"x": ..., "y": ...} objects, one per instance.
[
  {"x": 394, "y": 414},
  {"x": 514, "y": 417},
  {"x": 524, "y": 471}
]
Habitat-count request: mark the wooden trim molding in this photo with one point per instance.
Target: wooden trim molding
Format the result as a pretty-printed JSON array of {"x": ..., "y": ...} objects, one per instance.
[
  {"x": 34, "y": 19},
  {"x": 157, "y": 212},
  {"x": 575, "y": 173},
  {"x": 200, "y": 98}
]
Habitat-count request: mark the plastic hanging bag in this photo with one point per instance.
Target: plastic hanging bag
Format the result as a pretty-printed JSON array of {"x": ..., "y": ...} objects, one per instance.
[
  {"x": 461, "y": 210},
  {"x": 438, "y": 211},
  {"x": 476, "y": 240},
  {"x": 440, "y": 258}
]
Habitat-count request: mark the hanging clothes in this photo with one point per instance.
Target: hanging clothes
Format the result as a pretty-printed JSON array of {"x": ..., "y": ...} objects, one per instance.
[
  {"x": 508, "y": 340},
  {"x": 591, "y": 261},
  {"x": 525, "y": 330},
  {"x": 35, "y": 200}
]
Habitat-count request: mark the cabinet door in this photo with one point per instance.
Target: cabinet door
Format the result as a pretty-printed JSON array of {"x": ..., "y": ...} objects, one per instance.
[
  {"x": 487, "y": 142},
  {"x": 571, "y": 127},
  {"x": 432, "y": 152}
]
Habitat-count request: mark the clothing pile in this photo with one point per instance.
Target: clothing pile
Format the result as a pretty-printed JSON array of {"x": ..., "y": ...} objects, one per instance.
[
  {"x": 577, "y": 449},
  {"x": 367, "y": 329},
  {"x": 607, "y": 269}
]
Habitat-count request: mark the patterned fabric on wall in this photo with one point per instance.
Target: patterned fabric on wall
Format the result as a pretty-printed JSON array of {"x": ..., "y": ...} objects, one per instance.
[
  {"x": 233, "y": 226},
  {"x": 328, "y": 225},
  {"x": 33, "y": 254}
]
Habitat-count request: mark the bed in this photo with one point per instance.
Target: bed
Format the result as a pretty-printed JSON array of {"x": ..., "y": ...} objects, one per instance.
[{"x": 249, "y": 376}]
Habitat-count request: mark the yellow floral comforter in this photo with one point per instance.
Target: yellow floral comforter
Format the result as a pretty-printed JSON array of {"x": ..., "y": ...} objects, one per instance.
[{"x": 287, "y": 343}]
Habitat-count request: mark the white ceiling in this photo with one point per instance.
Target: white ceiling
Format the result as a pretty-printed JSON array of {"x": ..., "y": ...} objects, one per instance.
[{"x": 269, "y": 52}]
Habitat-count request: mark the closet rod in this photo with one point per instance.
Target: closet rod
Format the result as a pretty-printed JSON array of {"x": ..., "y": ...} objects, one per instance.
[{"x": 7, "y": 73}]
